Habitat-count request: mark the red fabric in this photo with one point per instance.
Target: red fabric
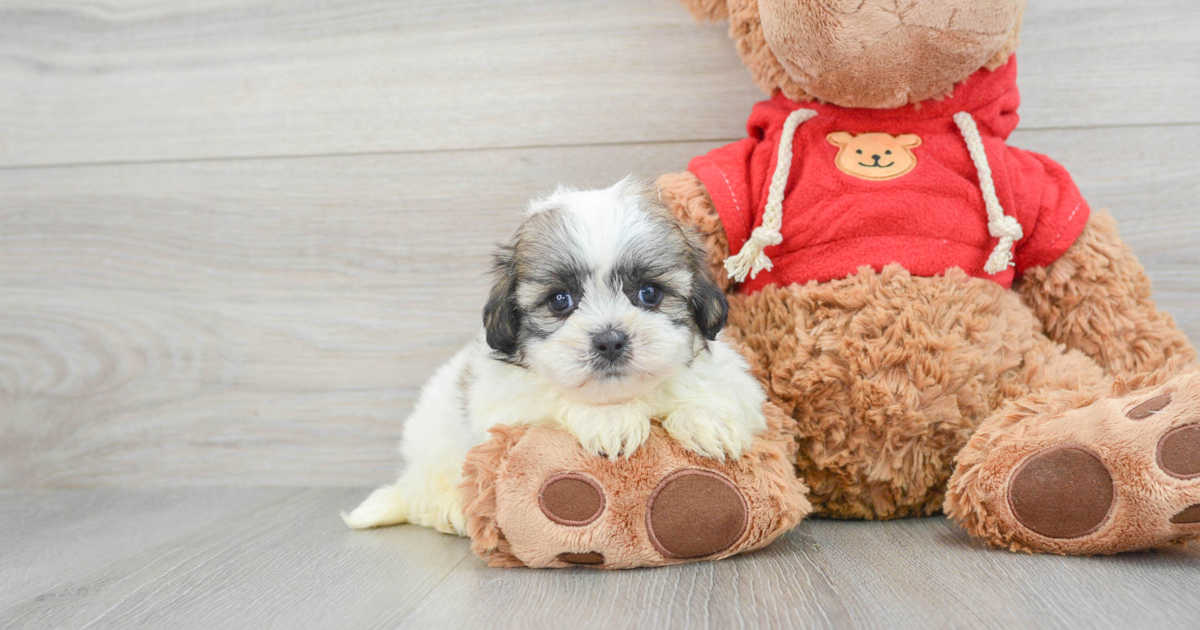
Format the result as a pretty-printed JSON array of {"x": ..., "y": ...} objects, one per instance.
[{"x": 928, "y": 220}]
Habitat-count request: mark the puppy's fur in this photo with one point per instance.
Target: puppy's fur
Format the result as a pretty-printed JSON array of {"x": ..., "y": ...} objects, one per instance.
[{"x": 596, "y": 252}]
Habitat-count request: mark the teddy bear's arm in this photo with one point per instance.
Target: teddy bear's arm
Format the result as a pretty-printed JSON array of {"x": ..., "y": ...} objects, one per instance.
[
  {"x": 687, "y": 198},
  {"x": 1096, "y": 298}
]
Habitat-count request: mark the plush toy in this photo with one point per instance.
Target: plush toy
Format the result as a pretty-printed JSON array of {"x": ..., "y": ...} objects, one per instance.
[{"x": 943, "y": 321}]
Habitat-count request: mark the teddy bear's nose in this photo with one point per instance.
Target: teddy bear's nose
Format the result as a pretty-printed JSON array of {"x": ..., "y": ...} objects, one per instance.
[{"x": 876, "y": 157}]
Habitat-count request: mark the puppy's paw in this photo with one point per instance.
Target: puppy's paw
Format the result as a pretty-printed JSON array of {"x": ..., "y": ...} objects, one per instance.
[
  {"x": 609, "y": 430},
  {"x": 708, "y": 434}
]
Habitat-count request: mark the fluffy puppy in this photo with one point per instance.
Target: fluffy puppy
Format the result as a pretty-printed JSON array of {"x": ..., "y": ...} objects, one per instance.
[{"x": 602, "y": 315}]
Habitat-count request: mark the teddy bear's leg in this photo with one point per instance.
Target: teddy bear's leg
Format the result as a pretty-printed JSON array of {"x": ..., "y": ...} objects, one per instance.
[
  {"x": 1092, "y": 470},
  {"x": 1086, "y": 472},
  {"x": 1096, "y": 298},
  {"x": 534, "y": 497}
]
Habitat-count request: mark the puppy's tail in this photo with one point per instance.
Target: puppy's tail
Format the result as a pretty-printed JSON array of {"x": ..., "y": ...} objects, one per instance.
[{"x": 385, "y": 506}]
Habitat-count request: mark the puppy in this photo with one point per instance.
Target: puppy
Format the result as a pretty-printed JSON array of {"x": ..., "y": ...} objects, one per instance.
[{"x": 602, "y": 315}]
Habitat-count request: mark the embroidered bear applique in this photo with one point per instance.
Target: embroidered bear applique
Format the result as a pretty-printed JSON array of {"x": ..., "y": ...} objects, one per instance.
[{"x": 875, "y": 156}]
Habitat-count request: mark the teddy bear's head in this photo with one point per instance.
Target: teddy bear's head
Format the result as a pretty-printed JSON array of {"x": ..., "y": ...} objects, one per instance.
[{"x": 867, "y": 53}]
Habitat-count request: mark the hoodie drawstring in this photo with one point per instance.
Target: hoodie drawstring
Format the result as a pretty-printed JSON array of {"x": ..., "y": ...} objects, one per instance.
[
  {"x": 1000, "y": 225},
  {"x": 751, "y": 259}
]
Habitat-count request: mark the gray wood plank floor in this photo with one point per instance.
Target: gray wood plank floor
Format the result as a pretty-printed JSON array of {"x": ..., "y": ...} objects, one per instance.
[
  {"x": 280, "y": 558},
  {"x": 236, "y": 237}
]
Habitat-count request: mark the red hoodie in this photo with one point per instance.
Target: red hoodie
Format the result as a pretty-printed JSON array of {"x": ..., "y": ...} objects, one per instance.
[{"x": 895, "y": 186}]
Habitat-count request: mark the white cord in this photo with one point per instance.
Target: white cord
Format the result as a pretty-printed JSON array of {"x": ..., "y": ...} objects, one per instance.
[
  {"x": 1000, "y": 225},
  {"x": 751, "y": 259}
]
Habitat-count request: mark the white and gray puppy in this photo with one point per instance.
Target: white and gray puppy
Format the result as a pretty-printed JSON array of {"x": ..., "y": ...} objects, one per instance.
[{"x": 603, "y": 315}]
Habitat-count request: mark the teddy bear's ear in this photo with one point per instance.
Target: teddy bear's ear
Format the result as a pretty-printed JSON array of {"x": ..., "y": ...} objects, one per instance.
[
  {"x": 909, "y": 140},
  {"x": 707, "y": 10},
  {"x": 839, "y": 138}
]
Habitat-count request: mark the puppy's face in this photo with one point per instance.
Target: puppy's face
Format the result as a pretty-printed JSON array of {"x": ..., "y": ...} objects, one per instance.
[{"x": 603, "y": 294}]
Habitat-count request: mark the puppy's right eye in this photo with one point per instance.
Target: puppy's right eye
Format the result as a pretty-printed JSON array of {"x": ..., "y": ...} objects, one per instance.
[{"x": 561, "y": 302}]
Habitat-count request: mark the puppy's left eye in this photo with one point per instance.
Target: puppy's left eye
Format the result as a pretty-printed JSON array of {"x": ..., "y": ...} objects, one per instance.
[{"x": 650, "y": 295}]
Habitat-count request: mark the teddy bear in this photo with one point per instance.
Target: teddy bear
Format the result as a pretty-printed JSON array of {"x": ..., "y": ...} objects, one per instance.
[{"x": 941, "y": 321}]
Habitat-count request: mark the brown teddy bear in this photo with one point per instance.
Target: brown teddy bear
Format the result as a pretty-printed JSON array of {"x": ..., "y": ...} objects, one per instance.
[{"x": 940, "y": 318}]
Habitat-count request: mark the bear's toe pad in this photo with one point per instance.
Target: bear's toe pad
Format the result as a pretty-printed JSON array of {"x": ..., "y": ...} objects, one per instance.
[
  {"x": 695, "y": 513},
  {"x": 1061, "y": 492}
]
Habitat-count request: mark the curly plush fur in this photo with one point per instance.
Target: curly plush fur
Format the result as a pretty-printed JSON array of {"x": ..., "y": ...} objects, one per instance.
[
  {"x": 1097, "y": 299},
  {"x": 887, "y": 383}
]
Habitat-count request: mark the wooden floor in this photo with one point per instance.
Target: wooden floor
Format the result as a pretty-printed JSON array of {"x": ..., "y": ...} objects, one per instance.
[
  {"x": 237, "y": 235},
  {"x": 274, "y": 557}
]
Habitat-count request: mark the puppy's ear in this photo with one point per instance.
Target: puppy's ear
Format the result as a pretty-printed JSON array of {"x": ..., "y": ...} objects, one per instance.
[
  {"x": 501, "y": 316},
  {"x": 709, "y": 306},
  {"x": 708, "y": 303}
]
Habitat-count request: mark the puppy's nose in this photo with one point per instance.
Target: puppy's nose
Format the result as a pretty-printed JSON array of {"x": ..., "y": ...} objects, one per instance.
[{"x": 610, "y": 344}]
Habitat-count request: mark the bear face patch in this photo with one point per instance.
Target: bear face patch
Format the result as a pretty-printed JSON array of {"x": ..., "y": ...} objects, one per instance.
[{"x": 875, "y": 156}]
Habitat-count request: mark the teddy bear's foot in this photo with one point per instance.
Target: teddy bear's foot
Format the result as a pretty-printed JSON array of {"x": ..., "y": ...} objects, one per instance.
[
  {"x": 534, "y": 497},
  {"x": 693, "y": 513},
  {"x": 1118, "y": 474}
]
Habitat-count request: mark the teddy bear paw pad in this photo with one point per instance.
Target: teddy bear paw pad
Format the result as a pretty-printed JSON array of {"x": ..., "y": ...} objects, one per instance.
[
  {"x": 1179, "y": 452},
  {"x": 589, "y": 558},
  {"x": 1061, "y": 492},
  {"x": 695, "y": 513},
  {"x": 1187, "y": 515},
  {"x": 572, "y": 500},
  {"x": 1149, "y": 408}
]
